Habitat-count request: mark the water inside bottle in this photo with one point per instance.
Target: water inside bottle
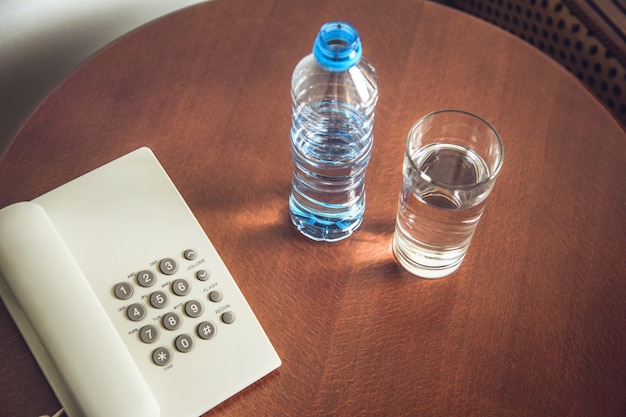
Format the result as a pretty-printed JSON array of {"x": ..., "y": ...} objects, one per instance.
[{"x": 331, "y": 145}]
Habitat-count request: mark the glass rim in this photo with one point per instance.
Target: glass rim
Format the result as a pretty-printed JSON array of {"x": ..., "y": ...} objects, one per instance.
[{"x": 492, "y": 174}]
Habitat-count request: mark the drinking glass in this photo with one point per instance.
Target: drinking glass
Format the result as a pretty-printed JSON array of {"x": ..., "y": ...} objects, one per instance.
[{"x": 451, "y": 162}]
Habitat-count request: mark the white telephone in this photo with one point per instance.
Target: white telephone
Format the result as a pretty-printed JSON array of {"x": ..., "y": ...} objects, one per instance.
[{"x": 123, "y": 300}]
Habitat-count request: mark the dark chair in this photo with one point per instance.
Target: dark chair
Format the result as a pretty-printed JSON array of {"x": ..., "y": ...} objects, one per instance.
[{"x": 585, "y": 36}]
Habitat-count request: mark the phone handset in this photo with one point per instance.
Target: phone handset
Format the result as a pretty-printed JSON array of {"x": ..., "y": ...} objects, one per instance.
[{"x": 68, "y": 319}]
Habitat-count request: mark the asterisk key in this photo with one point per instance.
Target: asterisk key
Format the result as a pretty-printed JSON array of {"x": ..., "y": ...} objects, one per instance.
[{"x": 162, "y": 356}]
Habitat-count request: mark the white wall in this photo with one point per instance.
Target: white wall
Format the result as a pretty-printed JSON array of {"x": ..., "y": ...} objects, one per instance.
[{"x": 41, "y": 41}]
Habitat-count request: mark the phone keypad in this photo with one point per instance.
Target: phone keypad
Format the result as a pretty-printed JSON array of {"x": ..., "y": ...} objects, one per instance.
[{"x": 170, "y": 322}]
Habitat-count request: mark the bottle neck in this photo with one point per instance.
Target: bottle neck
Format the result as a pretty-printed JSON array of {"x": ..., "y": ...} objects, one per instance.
[{"x": 337, "y": 47}]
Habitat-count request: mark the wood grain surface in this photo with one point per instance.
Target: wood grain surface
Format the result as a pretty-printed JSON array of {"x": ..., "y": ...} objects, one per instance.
[{"x": 532, "y": 324}]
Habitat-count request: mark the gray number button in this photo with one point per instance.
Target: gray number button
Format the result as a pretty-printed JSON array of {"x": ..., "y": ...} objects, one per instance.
[
  {"x": 162, "y": 356},
  {"x": 145, "y": 278},
  {"x": 149, "y": 334},
  {"x": 168, "y": 266},
  {"x": 158, "y": 299},
  {"x": 171, "y": 321},
  {"x": 184, "y": 343},
  {"x": 180, "y": 287},
  {"x": 206, "y": 330},
  {"x": 123, "y": 290},
  {"x": 136, "y": 312},
  {"x": 193, "y": 308}
]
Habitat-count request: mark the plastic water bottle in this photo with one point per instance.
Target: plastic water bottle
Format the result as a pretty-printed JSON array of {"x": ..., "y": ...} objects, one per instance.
[{"x": 334, "y": 92}]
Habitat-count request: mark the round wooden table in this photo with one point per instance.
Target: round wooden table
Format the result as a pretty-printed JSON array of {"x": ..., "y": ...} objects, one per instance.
[{"x": 532, "y": 324}]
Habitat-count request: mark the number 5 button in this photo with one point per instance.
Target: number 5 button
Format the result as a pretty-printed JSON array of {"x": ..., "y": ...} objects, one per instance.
[{"x": 158, "y": 299}]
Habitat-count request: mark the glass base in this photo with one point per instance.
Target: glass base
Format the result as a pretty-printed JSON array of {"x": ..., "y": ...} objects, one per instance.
[{"x": 424, "y": 263}]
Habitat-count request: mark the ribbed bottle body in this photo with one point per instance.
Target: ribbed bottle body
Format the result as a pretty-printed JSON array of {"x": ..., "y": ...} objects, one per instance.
[{"x": 331, "y": 143}]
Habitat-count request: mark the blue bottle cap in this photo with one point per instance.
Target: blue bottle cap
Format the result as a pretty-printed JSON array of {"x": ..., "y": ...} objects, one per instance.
[{"x": 337, "y": 46}]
